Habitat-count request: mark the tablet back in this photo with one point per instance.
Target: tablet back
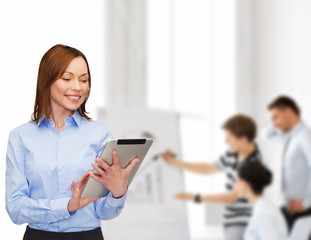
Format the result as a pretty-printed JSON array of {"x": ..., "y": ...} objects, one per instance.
[{"x": 127, "y": 150}]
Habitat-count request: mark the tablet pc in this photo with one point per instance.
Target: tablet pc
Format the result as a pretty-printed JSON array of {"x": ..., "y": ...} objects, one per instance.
[{"x": 127, "y": 150}]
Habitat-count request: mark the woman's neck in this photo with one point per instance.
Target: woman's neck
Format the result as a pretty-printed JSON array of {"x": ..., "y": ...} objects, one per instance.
[
  {"x": 59, "y": 116},
  {"x": 246, "y": 151},
  {"x": 253, "y": 198}
]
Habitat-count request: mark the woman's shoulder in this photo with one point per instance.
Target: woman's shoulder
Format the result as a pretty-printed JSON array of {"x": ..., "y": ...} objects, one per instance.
[
  {"x": 30, "y": 125},
  {"x": 95, "y": 125},
  {"x": 266, "y": 207},
  {"x": 24, "y": 130}
]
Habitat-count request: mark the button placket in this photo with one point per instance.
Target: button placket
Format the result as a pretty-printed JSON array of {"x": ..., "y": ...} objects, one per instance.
[{"x": 61, "y": 169}]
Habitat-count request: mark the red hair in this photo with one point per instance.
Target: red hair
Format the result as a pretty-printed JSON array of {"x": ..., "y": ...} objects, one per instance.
[{"x": 52, "y": 66}]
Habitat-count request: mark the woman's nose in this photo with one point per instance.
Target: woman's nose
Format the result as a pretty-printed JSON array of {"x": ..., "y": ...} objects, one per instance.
[{"x": 75, "y": 85}]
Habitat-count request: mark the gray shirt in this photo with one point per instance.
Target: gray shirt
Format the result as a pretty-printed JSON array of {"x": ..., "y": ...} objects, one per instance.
[{"x": 296, "y": 169}]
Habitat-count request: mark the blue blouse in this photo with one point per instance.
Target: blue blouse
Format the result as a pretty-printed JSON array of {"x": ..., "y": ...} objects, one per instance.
[{"x": 41, "y": 164}]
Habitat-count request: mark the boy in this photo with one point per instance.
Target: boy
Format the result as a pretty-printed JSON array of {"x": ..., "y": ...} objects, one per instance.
[{"x": 240, "y": 131}]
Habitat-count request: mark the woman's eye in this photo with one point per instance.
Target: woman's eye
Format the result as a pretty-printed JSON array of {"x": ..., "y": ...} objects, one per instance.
[
  {"x": 84, "y": 80},
  {"x": 66, "y": 79}
]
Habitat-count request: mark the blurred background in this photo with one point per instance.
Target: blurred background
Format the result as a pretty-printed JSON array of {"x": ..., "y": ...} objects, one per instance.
[{"x": 173, "y": 70}]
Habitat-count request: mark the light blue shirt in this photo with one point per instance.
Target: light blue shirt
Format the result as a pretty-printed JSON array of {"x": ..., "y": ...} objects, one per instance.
[
  {"x": 296, "y": 174},
  {"x": 267, "y": 222},
  {"x": 41, "y": 164}
]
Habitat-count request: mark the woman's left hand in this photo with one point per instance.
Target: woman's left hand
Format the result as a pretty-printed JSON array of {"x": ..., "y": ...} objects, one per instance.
[{"x": 113, "y": 177}]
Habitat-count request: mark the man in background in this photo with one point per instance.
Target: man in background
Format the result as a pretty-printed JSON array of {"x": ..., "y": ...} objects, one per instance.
[{"x": 288, "y": 129}]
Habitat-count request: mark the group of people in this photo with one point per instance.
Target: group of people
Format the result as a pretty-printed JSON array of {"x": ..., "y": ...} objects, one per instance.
[
  {"x": 249, "y": 215},
  {"x": 48, "y": 159}
]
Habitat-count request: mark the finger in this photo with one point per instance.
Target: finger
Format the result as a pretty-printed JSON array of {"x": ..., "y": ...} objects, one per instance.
[
  {"x": 115, "y": 158},
  {"x": 130, "y": 167},
  {"x": 85, "y": 181},
  {"x": 100, "y": 171},
  {"x": 82, "y": 179},
  {"x": 102, "y": 164},
  {"x": 92, "y": 175},
  {"x": 73, "y": 186}
]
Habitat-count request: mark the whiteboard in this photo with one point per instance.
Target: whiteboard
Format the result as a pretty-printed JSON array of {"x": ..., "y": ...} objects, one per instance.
[{"x": 150, "y": 210}]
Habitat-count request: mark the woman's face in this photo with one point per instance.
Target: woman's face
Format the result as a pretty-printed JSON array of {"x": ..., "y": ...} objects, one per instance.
[{"x": 70, "y": 91}]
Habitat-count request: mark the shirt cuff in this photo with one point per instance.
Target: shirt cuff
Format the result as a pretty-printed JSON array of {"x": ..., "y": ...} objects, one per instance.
[
  {"x": 59, "y": 209},
  {"x": 116, "y": 202},
  {"x": 307, "y": 203},
  {"x": 220, "y": 165}
]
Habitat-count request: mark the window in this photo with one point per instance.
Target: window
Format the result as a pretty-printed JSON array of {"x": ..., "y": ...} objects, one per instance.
[{"x": 191, "y": 70}]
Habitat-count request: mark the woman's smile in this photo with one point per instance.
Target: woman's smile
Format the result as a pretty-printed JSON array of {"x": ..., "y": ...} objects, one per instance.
[{"x": 73, "y": 98}]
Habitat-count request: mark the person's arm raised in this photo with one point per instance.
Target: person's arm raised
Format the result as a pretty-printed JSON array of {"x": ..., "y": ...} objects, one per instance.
[
  {"x": 229, "y": 197},
  {"x": 202, "y": 168}
]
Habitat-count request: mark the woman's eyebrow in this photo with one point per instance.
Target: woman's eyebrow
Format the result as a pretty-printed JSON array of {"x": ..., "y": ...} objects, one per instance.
[
  {"x": 80, "y": 75},
  {"x": 84, "y": 74}
]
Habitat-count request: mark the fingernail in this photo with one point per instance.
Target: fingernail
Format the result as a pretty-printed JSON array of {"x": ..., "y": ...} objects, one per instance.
[
  {"x": 93, "y": 164},
  {"x": 137, "y": 160},
  {"x": 97, "y": 160},
  {"x": 114, "y": 152}
]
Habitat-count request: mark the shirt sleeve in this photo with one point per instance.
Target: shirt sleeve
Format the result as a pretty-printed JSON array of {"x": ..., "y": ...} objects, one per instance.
[
  {"x": 271, "y": 133},
  {"x": 19, "y": 205},
  {"x": 223, "y": 162},
  {"x": 306, "y": 148},
  {"x": 107, "y": 136},
  {"x": 109, "y": 207}
]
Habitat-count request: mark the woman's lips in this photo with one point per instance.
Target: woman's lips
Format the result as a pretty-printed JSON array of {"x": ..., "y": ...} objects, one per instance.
[{"x": 73, "y": 98}]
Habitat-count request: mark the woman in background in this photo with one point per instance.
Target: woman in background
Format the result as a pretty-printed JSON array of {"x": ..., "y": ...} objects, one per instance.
[{"x": 267, "y": 222}]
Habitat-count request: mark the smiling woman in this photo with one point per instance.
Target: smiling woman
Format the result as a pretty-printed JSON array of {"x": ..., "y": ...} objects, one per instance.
[
  {"x": 63, "y": 74},
  {"x": 47, "y": 156}
]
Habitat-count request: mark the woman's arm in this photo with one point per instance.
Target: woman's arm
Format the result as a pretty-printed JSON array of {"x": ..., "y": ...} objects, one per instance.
[
  {"x": 202, "y": 168},
  {"x": 19, "y": 205},
  {"x": 109, "y": 207}
]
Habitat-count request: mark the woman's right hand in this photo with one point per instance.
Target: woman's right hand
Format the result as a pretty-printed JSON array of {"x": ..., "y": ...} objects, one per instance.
[
  {"x": 76, "y": 202},
  {"x": 169, "y": 157}
]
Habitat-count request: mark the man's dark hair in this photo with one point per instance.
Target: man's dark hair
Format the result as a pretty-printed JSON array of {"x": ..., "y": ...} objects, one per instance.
[
  {"x": 241, "y": 126},
  {"x": 283, "y": 102}
]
